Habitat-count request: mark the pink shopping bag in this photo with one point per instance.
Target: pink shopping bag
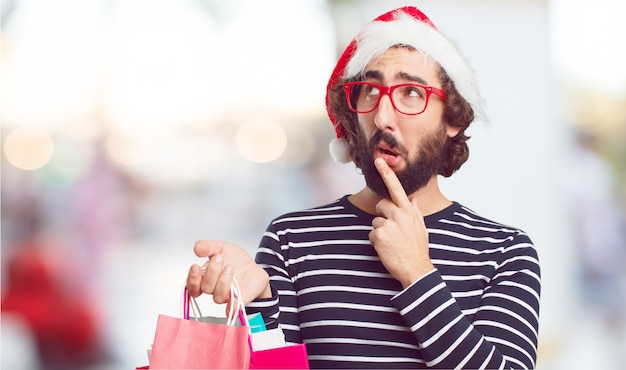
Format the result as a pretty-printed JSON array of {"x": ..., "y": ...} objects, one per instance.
[
  {"x": 192, "y": 343},
  {"x": 188, "y": 344}
]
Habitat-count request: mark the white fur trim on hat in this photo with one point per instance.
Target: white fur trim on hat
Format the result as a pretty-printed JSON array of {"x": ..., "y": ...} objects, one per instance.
[
  {"x": 340, "y": 150},
  {"x": 377, "y": 37}
]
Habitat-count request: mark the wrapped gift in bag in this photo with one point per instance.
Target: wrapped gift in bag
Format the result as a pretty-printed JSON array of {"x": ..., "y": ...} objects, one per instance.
[
  {"x": 191, "y": 344},
  {"x": 270, "y": 350}
]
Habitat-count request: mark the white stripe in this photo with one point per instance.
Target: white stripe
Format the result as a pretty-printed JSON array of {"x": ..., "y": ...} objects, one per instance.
[
  {"x": 516, "y": 272},
  {"x": 435, "y": 261},
  {"x": 305, "y": 230},
  {"x": 468, "y": 294},
  {"x": 471, "y": 353},
  {"x": 511, "y": 359},
  {"x": 500, "y": 325},
  {"x": 270, "y": 235},
  {"x": 523, "y": 287},
  {"x": 469, "y": 311},
  {"x": 432, "y": 314},
  {"x": 479, "y": 220},
  {"x": 288, "y": 327},
  {"x": 472, "y": 251},
  {"x": 452, "y": 347},
  {"x": 342, "y": 273},
  {"x": 331, "y": 257},
  {"x": 511, "y": 345},
  {"x": 471, "y": 278},
  {"x": 364, "y": 359},
  {"x": 494, "y": 227},
  {"x": 325, "y": 242},
  {"x": 354, "y": 324},
  {"x": 263, "y": 304},
  {"x": 315, "y": 217},
  {"x": 509, "y": 313},
  {"x": 350, "y": 289},
  {"x": 460, "y": 236},
  {"x": 516, "y": 246},
  {"x": 514, "y": 300},
  {"x": 358, "y": 341},
  {"x": 330, "y": 208},
  {"x": 281, "y": 272},
  {"x": 288, "y": 309},
  {"x": 271, "y": 252},
  {"x": 351, "y": 306},
  {"x": 422, "y": 298},
  {"x": 488, "y": 359},
  {"x": 441, "y": 331},
  {"x": 518, "y": 258}
]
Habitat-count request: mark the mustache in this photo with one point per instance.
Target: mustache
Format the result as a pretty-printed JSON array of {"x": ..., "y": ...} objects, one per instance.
[{"x": 388, "y": 139}]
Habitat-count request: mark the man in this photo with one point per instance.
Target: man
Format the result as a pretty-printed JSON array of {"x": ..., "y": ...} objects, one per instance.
[{"x": 395, "y": 275}]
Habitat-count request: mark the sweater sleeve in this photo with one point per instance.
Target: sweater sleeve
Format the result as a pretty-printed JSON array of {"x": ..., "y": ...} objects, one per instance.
[
  {"x": 280, "y": 310},
  {"x": 502, "y": 333}
]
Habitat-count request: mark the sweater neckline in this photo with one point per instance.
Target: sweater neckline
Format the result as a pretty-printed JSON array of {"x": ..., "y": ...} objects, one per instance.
[{"x": 427, "y": 219}]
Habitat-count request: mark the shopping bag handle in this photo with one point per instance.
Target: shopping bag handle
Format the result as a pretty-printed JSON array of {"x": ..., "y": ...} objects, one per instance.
[{"x": 235, "y": 293}]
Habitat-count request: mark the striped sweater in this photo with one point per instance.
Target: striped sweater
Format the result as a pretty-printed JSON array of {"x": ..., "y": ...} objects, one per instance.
[{"x": 478, "y": 309}]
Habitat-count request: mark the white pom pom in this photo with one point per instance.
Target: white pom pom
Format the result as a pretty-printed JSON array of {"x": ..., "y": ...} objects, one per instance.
[{"x": 340, "y": 150}]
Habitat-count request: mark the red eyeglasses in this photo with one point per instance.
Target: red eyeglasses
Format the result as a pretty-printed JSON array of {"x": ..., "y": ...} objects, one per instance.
[{"x": 410, "y": 99}]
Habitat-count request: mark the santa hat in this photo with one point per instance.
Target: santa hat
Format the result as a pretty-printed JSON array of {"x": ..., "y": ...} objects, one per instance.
[{"x": 402, "y": 26}]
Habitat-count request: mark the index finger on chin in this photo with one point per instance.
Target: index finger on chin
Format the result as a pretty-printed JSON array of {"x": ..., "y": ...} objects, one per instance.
[{"x": 396, "y": 191}]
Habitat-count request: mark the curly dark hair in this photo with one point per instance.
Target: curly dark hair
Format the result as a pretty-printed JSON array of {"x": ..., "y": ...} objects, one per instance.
[{"x": 457, "y": 113}]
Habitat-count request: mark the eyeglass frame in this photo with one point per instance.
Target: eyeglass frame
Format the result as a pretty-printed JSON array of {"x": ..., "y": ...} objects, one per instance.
[{"x": 388, "y": 90}]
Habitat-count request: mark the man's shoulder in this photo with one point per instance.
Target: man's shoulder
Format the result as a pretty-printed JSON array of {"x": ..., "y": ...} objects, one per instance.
[
  {"x": 326, "y": 214},
  {"x": 460, "y": 218},
  {"x": 330, "y": 207}
]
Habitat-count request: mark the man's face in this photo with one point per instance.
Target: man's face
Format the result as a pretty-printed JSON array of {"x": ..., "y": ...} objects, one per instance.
[{"x": 413, "y": 146}]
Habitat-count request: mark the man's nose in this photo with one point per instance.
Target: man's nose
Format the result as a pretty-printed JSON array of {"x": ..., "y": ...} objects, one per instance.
[{"x": 385, "y": 112}]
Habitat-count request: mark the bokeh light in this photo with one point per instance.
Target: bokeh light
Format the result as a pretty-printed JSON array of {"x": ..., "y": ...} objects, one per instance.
[
  {"x": 261, "y": 140},
  {"x": 64, "y": 168},
  {"x": 129, "y": 150},
  {"x": 28, "y": 148}
]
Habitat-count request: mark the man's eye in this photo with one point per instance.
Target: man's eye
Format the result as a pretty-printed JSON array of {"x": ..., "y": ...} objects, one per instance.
[
  {"x": 371, "y": 90},
  {"x": 412, "y": 92}
]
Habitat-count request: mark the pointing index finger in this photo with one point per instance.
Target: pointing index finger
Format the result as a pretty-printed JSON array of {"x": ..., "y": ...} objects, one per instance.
[{"x": 398, "y": 195}]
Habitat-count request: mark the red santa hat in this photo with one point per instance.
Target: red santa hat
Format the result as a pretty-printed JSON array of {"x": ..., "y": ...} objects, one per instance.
[{"x": 402, "y": 26}]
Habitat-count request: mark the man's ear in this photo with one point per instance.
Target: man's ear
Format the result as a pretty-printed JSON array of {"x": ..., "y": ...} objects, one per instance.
[{"x": 452, "y": 131}]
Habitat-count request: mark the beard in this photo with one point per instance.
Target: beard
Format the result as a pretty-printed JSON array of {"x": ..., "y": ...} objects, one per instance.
[{"x": 417, "y": 173}]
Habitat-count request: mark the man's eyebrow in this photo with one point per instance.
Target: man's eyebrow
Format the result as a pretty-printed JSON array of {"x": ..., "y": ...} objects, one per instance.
[
  {"x": 376, "y": 75},
  {"x": 406, "y": 76}
]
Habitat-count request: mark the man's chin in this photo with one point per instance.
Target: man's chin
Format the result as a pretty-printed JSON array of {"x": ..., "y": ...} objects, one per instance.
[{"x": 376, "y": 184}]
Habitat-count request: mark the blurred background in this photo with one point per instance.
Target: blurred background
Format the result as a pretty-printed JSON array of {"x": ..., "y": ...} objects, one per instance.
[{"x": 131, "y": 129}]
